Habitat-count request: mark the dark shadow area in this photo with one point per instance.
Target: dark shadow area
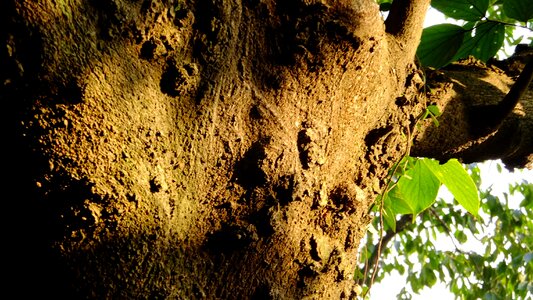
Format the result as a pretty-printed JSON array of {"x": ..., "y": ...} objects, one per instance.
[
  {"x": 228, "y": 239},
  {"x": 248, "y": 171},
  {"x": 374, "y": 135},
  {"x": 31, "y": 269},
  {"x": 303, "y": 153},
  {"x": 39, "y": 204},
  {"x": 262, "y": 293}
]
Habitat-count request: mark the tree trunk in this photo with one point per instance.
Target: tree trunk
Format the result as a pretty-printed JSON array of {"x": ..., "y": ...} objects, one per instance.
[{"x": 202, "y": 149}]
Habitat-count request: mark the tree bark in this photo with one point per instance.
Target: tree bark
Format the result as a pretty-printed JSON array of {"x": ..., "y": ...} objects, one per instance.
[{"x": 202, "y": 149}]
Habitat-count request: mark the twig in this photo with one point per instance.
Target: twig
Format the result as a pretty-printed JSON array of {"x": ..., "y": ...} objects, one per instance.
[
  {"x": 387, "y": 188},
  {"x": 446, "y": 229},
  {"x": 401, "y": 225}
]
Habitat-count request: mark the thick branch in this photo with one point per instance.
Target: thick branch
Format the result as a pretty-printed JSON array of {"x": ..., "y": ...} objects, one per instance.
[
  {"x": 487, "y": 118},
  {"x": 477, "y": 121},
  {"x": 405, "y": 22}
]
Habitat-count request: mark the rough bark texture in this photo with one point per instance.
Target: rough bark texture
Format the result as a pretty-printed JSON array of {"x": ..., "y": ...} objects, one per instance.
[
  {"x": 202, "y": 149},
  {"x": 462, "y": 88}
]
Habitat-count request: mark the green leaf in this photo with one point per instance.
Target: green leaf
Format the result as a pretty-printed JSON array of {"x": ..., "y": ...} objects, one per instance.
[
  {"x": 416, "y": 285},
  {"x": 499, "y": 168},
  {"x": 528, "y": 257},
  {"x": 439, "y": 44},
  {"x": 428, "y": 276},
  {"x": 521, "y": 10},
  {"x": 485, "y": 43},
  {"x": 454, "y": 176},
  {"x": 389, "y": 215},
  {"x": 468, "y": 10},
  {"x": 358, "y": 274},
  {"x": 385, "y": 6},
  {"x": 434, "y": 110},
  {"x": 527, "y": 191},
  {"x": 397, "y": 202},
  {"x": 400, "y": 269},
  {"x": 416, "y": 190},
  {"x": 460, "y": 236}
]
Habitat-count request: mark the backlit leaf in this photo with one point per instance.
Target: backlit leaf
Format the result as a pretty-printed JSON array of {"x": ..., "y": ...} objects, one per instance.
[
  {"x": 469, "y": 10},
  {"x": 484, "y": 44},
  {"x": 417, "y": 188},
  {"x": 521, "y": 10},
  {"x": 428, "y": 276},
  {"x": 454, "y": 176},
  {"x": 389, "y": 215},
  {"x": 439, "y": 44}
]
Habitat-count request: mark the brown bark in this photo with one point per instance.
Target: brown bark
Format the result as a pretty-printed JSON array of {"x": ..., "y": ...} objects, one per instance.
[
  {"x": 463, "y": 91},
  {"x": 202, "y": 149}
]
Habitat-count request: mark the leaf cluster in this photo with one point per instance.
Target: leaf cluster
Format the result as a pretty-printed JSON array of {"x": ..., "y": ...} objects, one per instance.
[
  {"x": 418, "y": 185},
  {"x": 497, "y": 262},
  {"x": 486, "y": 25},
  {"x": 415, "y": 182}
]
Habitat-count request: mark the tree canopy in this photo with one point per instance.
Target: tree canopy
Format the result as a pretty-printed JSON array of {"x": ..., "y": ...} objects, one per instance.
[{"x": 411, "y": 221}]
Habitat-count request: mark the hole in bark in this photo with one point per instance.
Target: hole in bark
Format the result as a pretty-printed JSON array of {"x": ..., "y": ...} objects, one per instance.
[
  {"x": 284, "y": 189},
  {"x": 248, "y": 171},
  {"x": 401, "y": 101},
  {"x": 152, "y": 49},
  {"x": 303, "y": 140},
  {"x": 190, "y": 69},
  {"x": 349, "y": 242},
  {"x": 180, "y": 79},
  {"x": 170, "y": 79},
  {"x": 262, "y": 292},
  {"x": 148, "y": 49},
  {"x": 228, "y": 239},
  {"x": 261, "y": 220},
  {"x": 309, "y": 270},
  {"x": 314, "y": 249},
  {"x": 180, "y": 17},
  {"x": 341, "y": 200},
  {"x": 374, "y": 135},
  {"x": 254, "y": 113}
]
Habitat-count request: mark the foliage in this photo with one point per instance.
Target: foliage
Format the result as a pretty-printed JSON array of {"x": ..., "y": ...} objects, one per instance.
[
  {"x": 418, "y": 184},
  {"x": 486, "y": 26},
  {"x": 500, "y": 266}
]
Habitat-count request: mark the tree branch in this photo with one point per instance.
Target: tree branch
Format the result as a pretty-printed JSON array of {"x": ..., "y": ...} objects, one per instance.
[
  {"x": 401, "y": 225},
  {"x": 487, "y": 118},
  {"x": 447, "y": 229},
  {"x": 405, "y": 22}
]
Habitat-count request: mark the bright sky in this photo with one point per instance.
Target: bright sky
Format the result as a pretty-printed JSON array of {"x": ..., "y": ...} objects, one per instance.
[{"x": 499, "y": 182}]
